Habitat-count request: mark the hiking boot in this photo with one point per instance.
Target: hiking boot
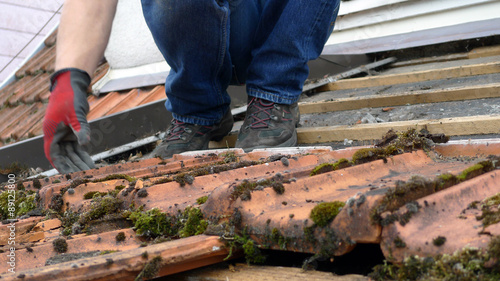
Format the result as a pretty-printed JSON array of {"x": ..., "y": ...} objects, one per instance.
[
  {"x": 268, "y": 124},
  {"x": 181, "y": 137}
]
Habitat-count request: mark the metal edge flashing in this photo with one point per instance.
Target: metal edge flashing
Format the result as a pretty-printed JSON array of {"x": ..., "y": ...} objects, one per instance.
[{"x": 107, "y": 132}]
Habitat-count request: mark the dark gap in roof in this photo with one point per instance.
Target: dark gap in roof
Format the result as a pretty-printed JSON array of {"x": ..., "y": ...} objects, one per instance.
[
  {"x": 126, "y": 156},
  {"x": 441, "y": 49},
  {"x": 360, "y": 261}
]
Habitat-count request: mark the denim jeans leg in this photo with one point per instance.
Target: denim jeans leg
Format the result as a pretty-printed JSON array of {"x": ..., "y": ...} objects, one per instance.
[
  {"x": 193, "y": 37},
  {"x": 290, "y": 33}
]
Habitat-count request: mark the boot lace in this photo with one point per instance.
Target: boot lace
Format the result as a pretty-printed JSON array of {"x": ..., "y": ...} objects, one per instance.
[{"x": 263, "y": 113}]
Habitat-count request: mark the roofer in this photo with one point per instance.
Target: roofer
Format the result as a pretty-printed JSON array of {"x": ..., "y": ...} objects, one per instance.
[{"x": 209, "y": 45}]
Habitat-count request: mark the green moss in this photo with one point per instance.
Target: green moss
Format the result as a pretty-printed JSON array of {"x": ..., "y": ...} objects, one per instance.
[
  {"x": 444, "y": 181},
  {"x": 60, "y": 245},
  {"x": 56, "y": 181},
  {"x": 328, "y": 167},
  {"x": 195, "y": 224},
  {"x": 399, "y": 243},
  {"x": 21, "y": 202},
  {"x": 279, "y": 239},
  {"x": 251, "y": 251},
  {"x": 466, "y": 264},
  {"x": 476, "y": 170},
  {"x": 365, "y": 155},
  {"x": 99, "y": 207},
  {"x": 278, "y": 187},
  {"x": 20, "y": 185},
  {"x": 68, "y": 220},
  {"x": 494, "y": 249},
  {"x": 341, "y": 164},
  {"x": 92, "y": 194},
  {"x": 245, "y": 188},
  {"x": 323, "y": 213},
  {"x": 116, "y": 177},
  {"x": 321, "y": 169},
  {"x": 163, "y": 180},
  {"x": 153, "y": 223},
  {"x": 150, "y": 270},
  {"x": 229, "y": 157},
  {"x": 74, "y": 184},
  {"x": 184, "y": 179},
  {"x": 439, "y": 241},
  {"x": 119, "y": 187},
  {"x": 37, "y": 184},
  {"x": 490, "y": 210},
  {"x": 120, "y": 236},
  {"x": 102, "y": 253},
  {"x": 202, "y": 200}
]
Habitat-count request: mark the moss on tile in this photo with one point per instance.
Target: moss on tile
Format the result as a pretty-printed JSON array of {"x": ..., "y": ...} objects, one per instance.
[
  {"x": 120, "y": 237},
  {"x": 439, "y": 241},
  {"x": 490, "y": 210},
  {"x": 60, "y": 245},
  {"x": 399, "y": 243},
  {"x": 184, "y": 178},
  {"x": 100, "y": 207},
  {"x": 16, "y": 203},
  {"x": 251, "y": 250},
  {"x": 92, "y": 194},
  {"x": 116, "y": 177},
  {"x": 153, "y": 223},
  {"x": 328, "y": 167},
  {"x": 194, "y": 222},
  {"x": 465, "y": 264},
  {"x": 418, "y": 187},
  {"x": 151, "y": 269},
  {"x": 37, "y": 184},
  {"x": 202, "y": 200},
  {"x": 476, "y": 170},
  {"x": 323, "y": 213}
]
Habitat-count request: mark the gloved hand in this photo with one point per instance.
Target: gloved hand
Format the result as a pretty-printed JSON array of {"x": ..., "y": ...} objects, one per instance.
[{"x": 65, "y": 125}]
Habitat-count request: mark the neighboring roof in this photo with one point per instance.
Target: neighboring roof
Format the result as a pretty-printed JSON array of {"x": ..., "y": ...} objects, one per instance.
[
  {"x": 23, "y": 102},
  {"x": 23, "y": 27}
]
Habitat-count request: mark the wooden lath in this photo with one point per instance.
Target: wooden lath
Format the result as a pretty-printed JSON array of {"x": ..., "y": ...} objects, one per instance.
[{"x": 417, "y": 76}]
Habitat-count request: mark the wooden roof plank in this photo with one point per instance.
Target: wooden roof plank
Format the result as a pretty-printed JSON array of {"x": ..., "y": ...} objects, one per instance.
[{"x": 427, "y": 96}]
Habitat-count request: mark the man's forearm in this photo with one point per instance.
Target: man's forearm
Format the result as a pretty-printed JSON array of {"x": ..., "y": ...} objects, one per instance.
[{"x": 83, "y": 33}]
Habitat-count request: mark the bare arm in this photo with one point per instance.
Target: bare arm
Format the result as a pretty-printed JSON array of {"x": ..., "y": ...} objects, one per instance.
[{"x": 84, "y": 33}]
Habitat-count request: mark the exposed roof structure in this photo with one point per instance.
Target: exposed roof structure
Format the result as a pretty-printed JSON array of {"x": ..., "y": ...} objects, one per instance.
[{"x": 400, "y": 162}]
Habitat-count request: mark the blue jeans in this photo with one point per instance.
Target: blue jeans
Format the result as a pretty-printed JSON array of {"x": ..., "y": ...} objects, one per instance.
[{"x": 210, "y": 44}]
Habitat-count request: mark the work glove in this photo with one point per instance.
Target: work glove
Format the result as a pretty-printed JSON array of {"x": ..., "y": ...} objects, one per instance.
[{"x": 65, "y": 125}]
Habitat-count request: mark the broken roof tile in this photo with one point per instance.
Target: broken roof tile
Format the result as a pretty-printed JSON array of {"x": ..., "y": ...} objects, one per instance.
[{"x": 445, "y": 222}]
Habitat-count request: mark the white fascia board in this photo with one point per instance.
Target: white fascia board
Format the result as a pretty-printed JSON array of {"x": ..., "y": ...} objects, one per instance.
[
  {"x": 356, "y": 6},
  {"x": 128, "y": 78},
  {"x": 477, "y": 12},
  {"x": 399, "y": 11}
]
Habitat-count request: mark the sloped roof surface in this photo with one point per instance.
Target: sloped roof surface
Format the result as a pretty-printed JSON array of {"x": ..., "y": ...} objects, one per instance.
[
  {"x": 280, "y": 220},
  {"x": 23, "y": 102}
]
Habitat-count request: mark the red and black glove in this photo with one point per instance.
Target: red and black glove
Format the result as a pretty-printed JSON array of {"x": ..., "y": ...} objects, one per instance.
[{"x": 65, "y": 125}]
